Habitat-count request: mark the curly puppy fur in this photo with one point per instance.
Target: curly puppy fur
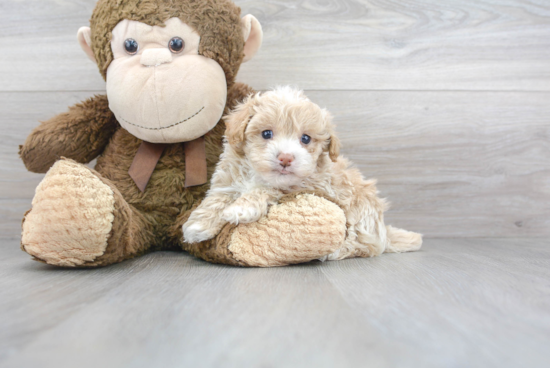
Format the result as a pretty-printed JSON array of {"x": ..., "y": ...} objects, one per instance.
[{"x": 299, "y": 152}]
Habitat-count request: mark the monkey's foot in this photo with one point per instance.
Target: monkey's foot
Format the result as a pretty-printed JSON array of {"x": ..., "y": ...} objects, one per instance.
[
  {"x": 71, "y": 217},
  {"x": 301, "y": 228}
]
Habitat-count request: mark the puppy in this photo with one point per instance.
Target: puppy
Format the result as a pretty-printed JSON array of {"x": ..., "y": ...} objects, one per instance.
[{"x": 280, "y": 142}]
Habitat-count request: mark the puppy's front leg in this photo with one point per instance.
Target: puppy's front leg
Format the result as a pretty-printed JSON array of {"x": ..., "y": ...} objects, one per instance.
[
  {"x": 251, "y": 206},
  {"x": 206, "y": 221}
]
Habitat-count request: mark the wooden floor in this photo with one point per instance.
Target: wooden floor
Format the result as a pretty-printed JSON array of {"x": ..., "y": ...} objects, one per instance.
[
  {"x": 456, "y": 303},
  {"x": 446, "y": 102}
]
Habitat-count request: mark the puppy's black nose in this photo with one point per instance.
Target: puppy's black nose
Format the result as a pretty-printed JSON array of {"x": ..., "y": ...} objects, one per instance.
[{"x": 285, "y": 159}]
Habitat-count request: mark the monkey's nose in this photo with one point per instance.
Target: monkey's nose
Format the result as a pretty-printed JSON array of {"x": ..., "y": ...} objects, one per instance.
[
  {"x": 155, "y": 57},
  {"x": 285, "y": 159}
]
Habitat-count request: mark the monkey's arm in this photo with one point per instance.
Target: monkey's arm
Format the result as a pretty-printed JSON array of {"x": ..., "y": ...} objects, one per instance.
[{"x": 80, "y": 134}]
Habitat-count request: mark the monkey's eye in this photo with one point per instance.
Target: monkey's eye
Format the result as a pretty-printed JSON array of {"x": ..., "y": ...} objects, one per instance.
[
  {"x": 306, "y": 139},
  {"x": 176, "y": 44},
  {"x": 131, "y": 46},
  {"x": 267, "y": 134}
]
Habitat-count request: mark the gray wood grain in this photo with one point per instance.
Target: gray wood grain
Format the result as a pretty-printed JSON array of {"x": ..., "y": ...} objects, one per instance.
[
  {"x": 481, "y": 296},
  {"x": 460, "y": 303},
  {"x": 328, "y": 44},
  {"x": 466, "y": 164}
]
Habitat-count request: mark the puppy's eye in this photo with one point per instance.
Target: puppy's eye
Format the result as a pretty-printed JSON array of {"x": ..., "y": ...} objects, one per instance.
[
  {"x": 267, "y": 134},
  {"x": 176, "y": 45},
  {"x": 306, "y": 139},
  {"x": 131, "y": 46}
]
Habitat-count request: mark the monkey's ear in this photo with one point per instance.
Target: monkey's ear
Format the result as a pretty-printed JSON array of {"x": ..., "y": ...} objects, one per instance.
[
  {"x": 253, "y": 35},
  {"x": 85, "y": 40},
  {"x": 237, "y": 121}
]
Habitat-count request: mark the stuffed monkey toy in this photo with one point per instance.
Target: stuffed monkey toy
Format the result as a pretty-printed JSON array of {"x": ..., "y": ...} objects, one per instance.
[{"x": 170, "y": 70}]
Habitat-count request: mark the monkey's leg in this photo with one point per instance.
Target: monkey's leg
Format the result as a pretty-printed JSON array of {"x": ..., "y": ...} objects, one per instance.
[
  {"x": 301, "y": 228},
  {"x": 79, "y": 219}
]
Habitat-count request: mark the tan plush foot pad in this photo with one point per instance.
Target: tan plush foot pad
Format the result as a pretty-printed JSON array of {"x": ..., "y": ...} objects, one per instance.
[
  {"x": 71, "y": 216},
  {"x": 300, "y": 229}
]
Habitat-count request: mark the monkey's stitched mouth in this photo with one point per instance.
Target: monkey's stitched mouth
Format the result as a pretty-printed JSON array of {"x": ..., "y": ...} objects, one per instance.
[{"x": 166, "y": 127}]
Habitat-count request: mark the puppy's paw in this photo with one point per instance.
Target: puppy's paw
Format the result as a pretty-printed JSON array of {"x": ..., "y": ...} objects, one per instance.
[
  {"x": 237, "y": 214},
  {"x": 195, "y": 232}
]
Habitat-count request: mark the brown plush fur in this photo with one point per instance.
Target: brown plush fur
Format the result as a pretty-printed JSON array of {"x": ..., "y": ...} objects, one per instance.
[
  {"x": 81, "y": 133},
  {"x": 217, "y": 21}
]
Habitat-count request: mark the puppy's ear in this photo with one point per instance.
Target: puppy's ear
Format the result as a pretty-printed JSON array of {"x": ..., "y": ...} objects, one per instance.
[
  {"x": 334, "y": 147},
  {"x": 237, "y": 121}
]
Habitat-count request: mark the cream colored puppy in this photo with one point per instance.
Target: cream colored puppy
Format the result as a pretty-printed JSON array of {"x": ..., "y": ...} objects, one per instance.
[{"x": 280, "y": 142}]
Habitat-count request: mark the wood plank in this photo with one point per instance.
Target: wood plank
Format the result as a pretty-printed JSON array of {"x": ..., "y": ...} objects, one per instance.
[
  {"x": 453, "y": 164},
  {"x": 336, "y": 45},
  {"x": 125, "y": 300},
  {"x": 463, "y": 303},
  {"x": 458, "y": 302},
  {"x": 35, "y": 298}
]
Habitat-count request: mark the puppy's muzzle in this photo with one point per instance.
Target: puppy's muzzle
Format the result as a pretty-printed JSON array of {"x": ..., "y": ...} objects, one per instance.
[{"x": 285, "y": 159}]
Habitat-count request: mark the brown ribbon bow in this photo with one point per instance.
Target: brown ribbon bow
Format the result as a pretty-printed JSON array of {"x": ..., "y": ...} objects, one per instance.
[{"x": 148, "y": 155}]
